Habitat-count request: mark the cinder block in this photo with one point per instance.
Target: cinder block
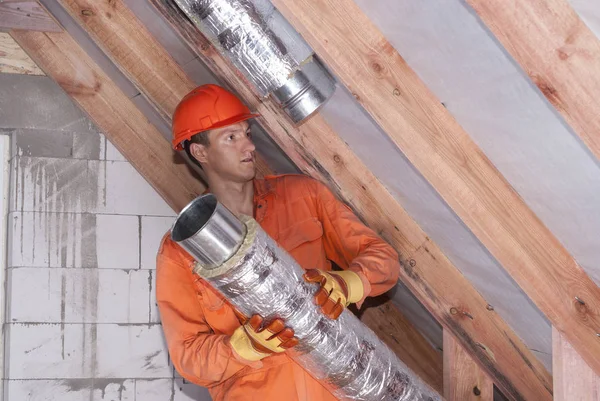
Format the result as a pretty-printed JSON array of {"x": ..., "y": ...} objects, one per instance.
[
  {"x": 57, "y": 144},
  {"x": 108, "y": 296},
  {"x": 186, "y": 391},
  {"x": 50, "y": 351},
  {"x": 57, "y": 185},
  {"x": 153, "y": 230},
  {"x": 42, "y": 143},
  {"x": 46, "y": 105},
  {"x": 88, "y": 146},
  {"x": 53, "y": 240},
  {"x": 56, "y": 295},
  {"x": 132, "y": 351},
  {"x": 118, "y": 241},
  {"x": 73, "y": 240},
  {"x": 154, "y": 313},
  {"x": 154, "y": 390},
  {"x": 79, "y": 351},
  {"x": 127, "y": 192},
  {"x": 35, "y": 295},
  {"x": 71, "y": 390}
]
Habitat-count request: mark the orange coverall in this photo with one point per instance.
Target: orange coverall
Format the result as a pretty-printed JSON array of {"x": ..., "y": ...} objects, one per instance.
[{"x": 310, "y": 223}]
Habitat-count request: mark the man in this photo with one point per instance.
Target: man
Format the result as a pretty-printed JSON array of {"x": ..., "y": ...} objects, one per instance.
[{"x": 209, "y": 343}]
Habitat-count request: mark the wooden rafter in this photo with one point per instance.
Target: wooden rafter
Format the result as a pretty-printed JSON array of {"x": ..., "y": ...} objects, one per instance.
[
  {"x": 464, "y": 380},
  {"x": 573, "y": 378},
  {"x": 396, "y": 331},
  {"x": 319, "y": 152},
  {"x": 422, "y": 128},
  {"x": 124, "y": 125},
  {"x": 27, "y": 15},
  {"x": 128, "y": 43},
  {"x": 558, "y": 51}
]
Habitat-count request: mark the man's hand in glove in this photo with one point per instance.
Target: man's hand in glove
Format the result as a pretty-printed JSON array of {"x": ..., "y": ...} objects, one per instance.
[
  {"x": 253, "y": 342},
  {"x": 338, "y": 290}
]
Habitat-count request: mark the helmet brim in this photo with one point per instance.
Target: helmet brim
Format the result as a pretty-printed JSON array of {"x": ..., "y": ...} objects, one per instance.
[{"x": 221, "y": 124}]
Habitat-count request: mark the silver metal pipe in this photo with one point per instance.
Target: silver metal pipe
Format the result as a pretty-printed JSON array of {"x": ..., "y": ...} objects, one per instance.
[
  {"x": 267, "y": 50},
  {"x": 207, "y": 229},
  {"x": 343, "y": 354}
]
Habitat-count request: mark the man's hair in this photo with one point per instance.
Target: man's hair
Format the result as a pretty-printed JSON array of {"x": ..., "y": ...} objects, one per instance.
[{"x": 200, "y": 138}]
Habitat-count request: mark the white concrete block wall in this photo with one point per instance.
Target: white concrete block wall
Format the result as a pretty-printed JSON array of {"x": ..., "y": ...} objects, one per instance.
[{"x": 83, "y": 231}]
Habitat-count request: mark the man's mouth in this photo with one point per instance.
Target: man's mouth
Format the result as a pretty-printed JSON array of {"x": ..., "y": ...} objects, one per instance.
[{"x": 248, "y": 160}]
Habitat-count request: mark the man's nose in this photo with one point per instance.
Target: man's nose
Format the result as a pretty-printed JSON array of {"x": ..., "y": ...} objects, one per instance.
[{"x": 248, "y": 145}]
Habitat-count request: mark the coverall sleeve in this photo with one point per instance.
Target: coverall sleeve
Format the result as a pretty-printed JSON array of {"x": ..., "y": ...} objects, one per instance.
[
  {"x": 198, "y": 354},
  {"x": 354, "y": 246}
]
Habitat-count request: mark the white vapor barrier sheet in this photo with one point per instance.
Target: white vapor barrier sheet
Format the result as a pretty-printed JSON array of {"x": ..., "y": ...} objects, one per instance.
[{"x": 344, "y": 354}]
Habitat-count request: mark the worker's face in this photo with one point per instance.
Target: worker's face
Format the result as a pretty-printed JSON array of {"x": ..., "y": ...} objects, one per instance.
[{"x": 230, "y": 153}]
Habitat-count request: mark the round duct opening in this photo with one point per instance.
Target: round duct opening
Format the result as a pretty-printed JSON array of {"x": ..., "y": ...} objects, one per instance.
[{"x": 208, "y": 228}]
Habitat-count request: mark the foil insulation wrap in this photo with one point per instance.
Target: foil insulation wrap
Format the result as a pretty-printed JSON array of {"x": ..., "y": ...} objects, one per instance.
[
  {"x": 245, "y": 33},
  {"x": 344, "y": 354}
]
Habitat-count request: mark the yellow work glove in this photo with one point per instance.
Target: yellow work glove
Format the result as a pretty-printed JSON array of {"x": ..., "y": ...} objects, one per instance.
[
  {"x": 253, "y": 342},
  {"x": 338, "y": 290}
]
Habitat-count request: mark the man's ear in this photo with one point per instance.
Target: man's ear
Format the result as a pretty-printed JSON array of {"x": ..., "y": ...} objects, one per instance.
[{"x": 199, "y": 152}]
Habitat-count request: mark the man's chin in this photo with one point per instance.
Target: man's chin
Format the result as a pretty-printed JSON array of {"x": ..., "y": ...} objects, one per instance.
[{"x": 248, "y": 173}]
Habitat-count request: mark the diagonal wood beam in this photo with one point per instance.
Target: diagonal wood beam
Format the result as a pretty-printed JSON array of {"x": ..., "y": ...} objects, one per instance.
[
  {"x": 396, "y": 331},
  {"x": 463, "y": 378},
  {"x": 62, "y": 59},
  {"x": 319, "y": 152},
  {"x": 558, "y": 51},
  {"x": 129, "y": 44},
  {"x": 27, "y": 15},
  {"x": 446, "y": 156},
  {"x": 573, "y": 378}
]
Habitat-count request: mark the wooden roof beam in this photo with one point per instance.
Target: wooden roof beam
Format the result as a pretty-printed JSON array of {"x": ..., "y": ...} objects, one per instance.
[
  {"x": 464, "y": 380},
  {"x": 573, "y": 378},
  {"x": 558, "y": 51},
  {"x": 26, "y": 15},
  {"x": 318, "y": 151},
  {"x": 422, "y": 128}
]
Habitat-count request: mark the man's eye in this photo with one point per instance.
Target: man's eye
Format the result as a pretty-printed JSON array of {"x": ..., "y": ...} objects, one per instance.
[{"x": 231, "y": 137}]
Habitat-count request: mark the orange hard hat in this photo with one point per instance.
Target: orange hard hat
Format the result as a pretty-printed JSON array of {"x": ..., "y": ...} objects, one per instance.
[{"x": 204, "y": 108}]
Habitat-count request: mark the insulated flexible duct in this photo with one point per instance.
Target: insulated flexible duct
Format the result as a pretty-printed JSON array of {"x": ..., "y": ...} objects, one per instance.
[
  {"x": 266, "y": 49},
  {"x": 256, "y": 276}
]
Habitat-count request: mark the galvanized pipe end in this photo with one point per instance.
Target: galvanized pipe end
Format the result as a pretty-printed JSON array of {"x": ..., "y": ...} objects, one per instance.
[
  {"x": 208, "y": 231},
  {"x": 306, "y": 91}
]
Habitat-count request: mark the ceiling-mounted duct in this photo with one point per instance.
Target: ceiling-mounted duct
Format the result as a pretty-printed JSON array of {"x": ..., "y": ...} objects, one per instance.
[{"x": 260, "y": 42}]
